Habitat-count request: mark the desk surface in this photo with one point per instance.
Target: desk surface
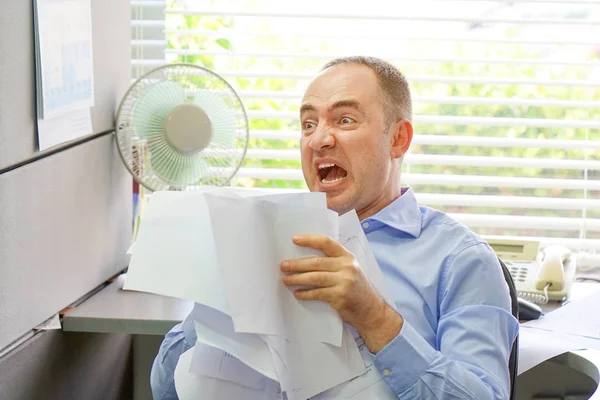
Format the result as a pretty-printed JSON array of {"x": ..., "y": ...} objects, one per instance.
[
  {"x": 579, "y": 290},
  {"x": 113, "y": 310}
]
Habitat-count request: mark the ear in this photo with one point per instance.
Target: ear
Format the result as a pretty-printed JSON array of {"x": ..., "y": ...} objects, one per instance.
[{"x": 401, "y": 137}]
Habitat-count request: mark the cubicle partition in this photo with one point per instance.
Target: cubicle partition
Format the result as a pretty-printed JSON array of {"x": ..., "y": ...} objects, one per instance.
[{"x": 65, "y": 219}]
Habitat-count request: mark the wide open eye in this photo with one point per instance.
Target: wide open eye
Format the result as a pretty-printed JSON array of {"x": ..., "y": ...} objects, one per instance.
[{"x": 308, "y": 127}]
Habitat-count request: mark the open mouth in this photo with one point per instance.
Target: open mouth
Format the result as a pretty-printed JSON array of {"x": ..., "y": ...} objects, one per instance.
[{"x": 331, "y": 173}]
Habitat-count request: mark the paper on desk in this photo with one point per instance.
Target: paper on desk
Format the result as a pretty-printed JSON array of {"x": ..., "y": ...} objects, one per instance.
[
  {"x": 215, "y": 329},
  {"x": 305, "y": 370},
  {"x": 579, "y": 317},
  {"x": 52, "y": 323},
  {"x": 252, "y": 237},
  {"x": 190, "y": 386},
  {"x": 537, "y": 346},
  {"x": 174, "y": 253}
]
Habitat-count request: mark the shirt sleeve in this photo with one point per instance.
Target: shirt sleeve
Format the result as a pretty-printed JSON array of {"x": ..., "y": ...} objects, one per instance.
[
  {"x": 177, "y": 341},
  {"x": 475, "y": 334}
]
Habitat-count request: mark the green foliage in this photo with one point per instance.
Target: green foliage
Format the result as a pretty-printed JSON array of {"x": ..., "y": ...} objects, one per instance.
[{"x": 443, "y": 69}]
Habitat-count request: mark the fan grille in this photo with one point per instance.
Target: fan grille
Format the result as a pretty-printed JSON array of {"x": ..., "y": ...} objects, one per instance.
[{"x": 140, "y": 129}]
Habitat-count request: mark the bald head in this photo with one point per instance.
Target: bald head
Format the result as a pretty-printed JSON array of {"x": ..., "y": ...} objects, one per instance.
[{"x": 393, "y": 88}]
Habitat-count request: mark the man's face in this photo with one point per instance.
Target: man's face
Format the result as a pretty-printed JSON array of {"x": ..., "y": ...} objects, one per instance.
[{"x": 346, "y": 146}]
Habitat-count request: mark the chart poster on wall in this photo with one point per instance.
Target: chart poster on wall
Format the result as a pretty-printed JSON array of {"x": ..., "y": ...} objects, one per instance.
[{"x": 64, "y": 70}]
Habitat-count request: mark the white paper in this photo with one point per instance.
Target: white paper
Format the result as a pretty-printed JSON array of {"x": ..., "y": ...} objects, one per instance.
[
  {"x": 215, "y": 363},
  {"x": 71, "y": 126},
  {"x": 252, "y": 238},
  {"x": 190, "y": 386},
  {"x": 537, "y": 346},
  {"x": 309, "y": 199},
  {"x": 222, "y": 249},
  {"x": 365, "y": 385},
  {"x": 52, "y": 323},
  {"x": 353, "y": 238},
  {"x": 579, "y": 317},
  {"x": 64, "y": 56},
  {"x": 174, "y": 253},
  {"x": 305, "y": 370},
  {"x": 215, "y": 329}
]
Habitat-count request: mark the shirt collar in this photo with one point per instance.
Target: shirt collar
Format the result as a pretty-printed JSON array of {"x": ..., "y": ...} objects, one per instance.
[{"x": 403, "y": 214}]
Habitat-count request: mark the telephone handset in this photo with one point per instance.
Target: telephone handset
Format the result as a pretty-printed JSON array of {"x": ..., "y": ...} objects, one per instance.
[{"x": 539, "y": 275}]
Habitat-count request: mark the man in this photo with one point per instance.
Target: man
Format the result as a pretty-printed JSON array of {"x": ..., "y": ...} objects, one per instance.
[{"x": 453, "y": 331}]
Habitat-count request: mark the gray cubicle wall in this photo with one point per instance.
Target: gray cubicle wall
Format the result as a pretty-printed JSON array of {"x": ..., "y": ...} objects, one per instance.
[{"x": 65, "y": 218}]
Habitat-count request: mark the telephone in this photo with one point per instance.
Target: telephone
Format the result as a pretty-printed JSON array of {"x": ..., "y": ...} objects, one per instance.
[{"x": 540, "y": 275}]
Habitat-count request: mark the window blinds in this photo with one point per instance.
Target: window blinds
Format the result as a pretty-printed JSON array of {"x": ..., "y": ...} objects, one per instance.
[{"x": 506, "y": 95}]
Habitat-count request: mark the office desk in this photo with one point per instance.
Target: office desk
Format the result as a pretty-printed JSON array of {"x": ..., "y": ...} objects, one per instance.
[
  {"x": 149, "y": 317},
  {"x": 579, "y": 291},
  {"x": 113, "y": 310},
  {"x": 572, "y": 375}
]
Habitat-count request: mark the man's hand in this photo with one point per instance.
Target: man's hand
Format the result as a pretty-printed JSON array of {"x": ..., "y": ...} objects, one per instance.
[{"x": 338, "y": 280}]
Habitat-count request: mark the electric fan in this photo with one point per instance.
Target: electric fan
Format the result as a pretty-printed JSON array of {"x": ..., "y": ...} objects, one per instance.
[{"x": 181, "y": 126}]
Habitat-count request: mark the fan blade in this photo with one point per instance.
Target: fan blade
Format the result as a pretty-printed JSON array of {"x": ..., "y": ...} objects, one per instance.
[
  {"x": 222, "y": 117},
  {"x": 153, "y": 106},
  {"x": 175, "y": 168}
]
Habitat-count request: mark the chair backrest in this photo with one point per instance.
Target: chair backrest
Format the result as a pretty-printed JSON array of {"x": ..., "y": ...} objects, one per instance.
[{"x": 514, "y": 354}]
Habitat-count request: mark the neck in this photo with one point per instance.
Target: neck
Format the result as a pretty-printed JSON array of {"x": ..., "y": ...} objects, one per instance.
[
  {"x": 379, "y": 204},
  {"x": 390, "y": 192}
]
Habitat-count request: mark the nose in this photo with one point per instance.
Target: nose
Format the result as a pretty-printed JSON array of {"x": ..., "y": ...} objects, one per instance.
[{"x": 321, "y": 138}]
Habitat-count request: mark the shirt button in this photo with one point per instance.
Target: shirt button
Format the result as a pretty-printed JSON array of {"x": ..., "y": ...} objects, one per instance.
[
  {"x": 365, "y": 225},
  {"x": 386, "y": 372}
]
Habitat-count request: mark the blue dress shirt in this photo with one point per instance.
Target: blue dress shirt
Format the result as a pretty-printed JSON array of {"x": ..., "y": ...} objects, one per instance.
[{"x": 449, "y": 288}]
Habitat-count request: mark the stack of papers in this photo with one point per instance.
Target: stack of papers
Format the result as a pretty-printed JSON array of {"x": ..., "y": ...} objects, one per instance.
[
  {"x": 579, "y": 317},
  {"x": 573, "y": 326},
  {"x": 538, "y": 345},
  {"x": 221, "y": 248}
]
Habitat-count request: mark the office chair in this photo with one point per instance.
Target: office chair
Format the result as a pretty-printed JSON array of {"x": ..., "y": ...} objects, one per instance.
[{"x": 514, "y": 354}]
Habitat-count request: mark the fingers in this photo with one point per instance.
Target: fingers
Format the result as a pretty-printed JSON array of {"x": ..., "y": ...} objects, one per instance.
[
  {"x": 330, "y": 247},
  {"x": 318, "y": 279},
  {"x": 309, "y": 264},
  {"x": 318, "y": 294}
]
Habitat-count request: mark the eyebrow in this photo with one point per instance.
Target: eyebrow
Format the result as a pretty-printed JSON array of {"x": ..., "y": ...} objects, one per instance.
[
  {"x": 338, "y": 104},
  {"x": 306, "y": 108}
]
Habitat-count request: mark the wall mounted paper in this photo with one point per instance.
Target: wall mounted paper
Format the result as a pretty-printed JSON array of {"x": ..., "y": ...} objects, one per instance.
[
  {"x": 64, "y": 59},
  {"x": 64, "y": 128}
]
